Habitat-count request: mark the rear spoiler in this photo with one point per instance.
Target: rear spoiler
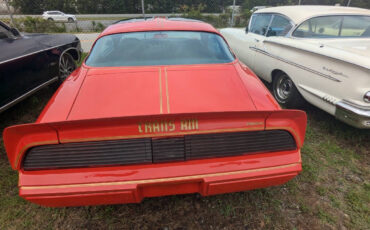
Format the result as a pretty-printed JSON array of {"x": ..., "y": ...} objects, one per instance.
[{"x": 18, "y": 139}]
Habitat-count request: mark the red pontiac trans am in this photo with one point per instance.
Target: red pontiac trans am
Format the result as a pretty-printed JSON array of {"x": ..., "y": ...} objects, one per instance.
[{"x": 159, "y": 107}]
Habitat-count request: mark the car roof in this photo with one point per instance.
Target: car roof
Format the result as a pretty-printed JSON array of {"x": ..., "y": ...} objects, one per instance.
[
  {"x": 301, "y": 13},
  {"x": 158, "y": 24}
]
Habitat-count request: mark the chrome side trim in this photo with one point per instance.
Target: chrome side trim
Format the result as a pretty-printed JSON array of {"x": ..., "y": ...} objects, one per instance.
[
  {"x": 39, "y": 51},
  {"x": 321, "y": 95},
  {"x": 295, "y": 64},
  {"x": 356, "y": 105},
  {"x": 308, "y": 51},
  {"x": 24, "y": 96}
]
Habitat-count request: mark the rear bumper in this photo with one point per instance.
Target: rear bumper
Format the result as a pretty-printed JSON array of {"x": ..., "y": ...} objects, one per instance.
[
  {"x": 353, "y": 115},
  {"x": 131, "y": 184}
]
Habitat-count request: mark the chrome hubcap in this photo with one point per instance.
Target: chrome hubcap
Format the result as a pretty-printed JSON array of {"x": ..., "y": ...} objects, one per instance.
[{"x": 284, "y": 88}]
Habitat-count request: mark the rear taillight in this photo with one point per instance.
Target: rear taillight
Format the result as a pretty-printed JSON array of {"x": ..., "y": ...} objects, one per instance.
[{"x": 367, "y": 97}]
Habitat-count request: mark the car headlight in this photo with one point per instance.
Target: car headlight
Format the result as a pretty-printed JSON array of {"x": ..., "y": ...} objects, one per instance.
[{"x": 367, "y": 97}]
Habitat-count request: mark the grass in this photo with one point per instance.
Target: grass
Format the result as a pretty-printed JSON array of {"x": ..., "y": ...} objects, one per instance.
[
  {"x": 332, "y": 192},
  {"x": 83, "y": 56}
]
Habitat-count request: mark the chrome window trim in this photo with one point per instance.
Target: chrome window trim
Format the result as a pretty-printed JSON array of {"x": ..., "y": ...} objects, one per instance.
[
  {"x": 290, "y": 21},
  {"x": 268, "y": 27},
  {"x": 273, "y": 16},
  {"x": 250, "y": 21}
]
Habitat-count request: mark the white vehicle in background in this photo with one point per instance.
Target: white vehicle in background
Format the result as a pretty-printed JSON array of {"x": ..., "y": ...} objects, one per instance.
[
  {"x": 58, "y": 16},
  {"x": 320, "y": 53}
]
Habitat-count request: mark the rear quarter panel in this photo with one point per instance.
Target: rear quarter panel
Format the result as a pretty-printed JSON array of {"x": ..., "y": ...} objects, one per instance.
[{"x": 323, "y": 81}]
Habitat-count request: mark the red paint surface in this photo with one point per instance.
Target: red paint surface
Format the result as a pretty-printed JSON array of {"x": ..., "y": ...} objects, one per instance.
[
  {"x": 89, "y": 192},
  {"x": 210, "y": 88},
  {"x": 112, "y": 103},
  {"x": 120, "y": 92}
]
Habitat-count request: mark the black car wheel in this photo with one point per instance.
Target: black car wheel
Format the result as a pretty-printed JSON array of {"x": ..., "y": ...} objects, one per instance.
[
  {"x": 66, "y": 66},
  {"x": 285, "y": 92},
  {"x": 70, "y": 20},
  {"x": 50, "y": 19}
]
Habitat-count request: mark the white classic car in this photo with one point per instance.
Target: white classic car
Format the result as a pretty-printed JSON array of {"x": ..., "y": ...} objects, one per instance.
[{"x": 320, "y": 53}]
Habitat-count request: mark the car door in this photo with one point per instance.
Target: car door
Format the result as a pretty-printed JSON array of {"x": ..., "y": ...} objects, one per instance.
[
  {"x": 241, "y": 43},
  {"x": 23, "y": 65},
  {"x": 279, "y": 25},
  {"x": 5, "y": 93},
  {"x": 58, "y": 16},
  {"x": 63, "y": 17},
  {"x": 256, "y": 35}
]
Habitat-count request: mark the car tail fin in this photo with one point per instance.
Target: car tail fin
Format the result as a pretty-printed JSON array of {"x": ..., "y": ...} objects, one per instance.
[
  {"x": 294, "y": 121},
  {"x": 19, "y": 138}
]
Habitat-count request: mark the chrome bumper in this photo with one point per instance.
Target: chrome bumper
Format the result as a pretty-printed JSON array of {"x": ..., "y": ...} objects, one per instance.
[{"x": 353, "y": 115}]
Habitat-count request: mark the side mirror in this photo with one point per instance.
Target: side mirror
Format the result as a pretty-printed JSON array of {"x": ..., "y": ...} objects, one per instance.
[
  {"x": 15, "y": 32},
  {"x": 246, "y": 30}
]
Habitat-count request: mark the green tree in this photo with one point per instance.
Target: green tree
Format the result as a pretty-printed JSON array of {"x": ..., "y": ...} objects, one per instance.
[{"x": 157, "y": 6}]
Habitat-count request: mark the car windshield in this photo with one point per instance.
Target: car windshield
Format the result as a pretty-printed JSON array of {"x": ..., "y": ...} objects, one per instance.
[
  {"x": 159, "y": 48},
  {"x": 334, "y": 27}
]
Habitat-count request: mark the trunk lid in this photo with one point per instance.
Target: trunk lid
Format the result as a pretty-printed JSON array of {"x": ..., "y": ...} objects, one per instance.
[{"x": 137, "y": 91}]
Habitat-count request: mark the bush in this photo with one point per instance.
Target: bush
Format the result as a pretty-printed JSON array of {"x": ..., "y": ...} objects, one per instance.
[
  {"x": 220, "y": 21},
  {"x": 97, "y": 27},
  {"x": 38, "y": 25},
  {"x": 195, "y": 12}
]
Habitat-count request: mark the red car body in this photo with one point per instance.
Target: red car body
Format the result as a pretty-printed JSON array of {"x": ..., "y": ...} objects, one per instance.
[{"x": 103, "y": 104}]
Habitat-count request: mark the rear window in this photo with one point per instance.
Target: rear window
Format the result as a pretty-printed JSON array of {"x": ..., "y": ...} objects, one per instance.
[
  {"x": 159, "y": 48},
  {"x": 334, "y": 27}
]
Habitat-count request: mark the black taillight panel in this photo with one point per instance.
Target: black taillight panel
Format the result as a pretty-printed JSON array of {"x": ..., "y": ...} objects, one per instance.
[
  {"x": 89, "y": 154},
  {"x": 156, "y": 150}
]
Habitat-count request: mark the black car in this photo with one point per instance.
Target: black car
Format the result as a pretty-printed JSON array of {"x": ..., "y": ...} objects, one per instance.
[{"x": 29, "y": 62}]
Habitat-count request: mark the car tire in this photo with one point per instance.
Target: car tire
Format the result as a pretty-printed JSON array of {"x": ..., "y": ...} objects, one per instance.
[
  {"x": 50, "y": 19},
  {"x": 285, "y": 92},
  {"x": 66, "y": 66},
  {"x": 70, "y": 20}
]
